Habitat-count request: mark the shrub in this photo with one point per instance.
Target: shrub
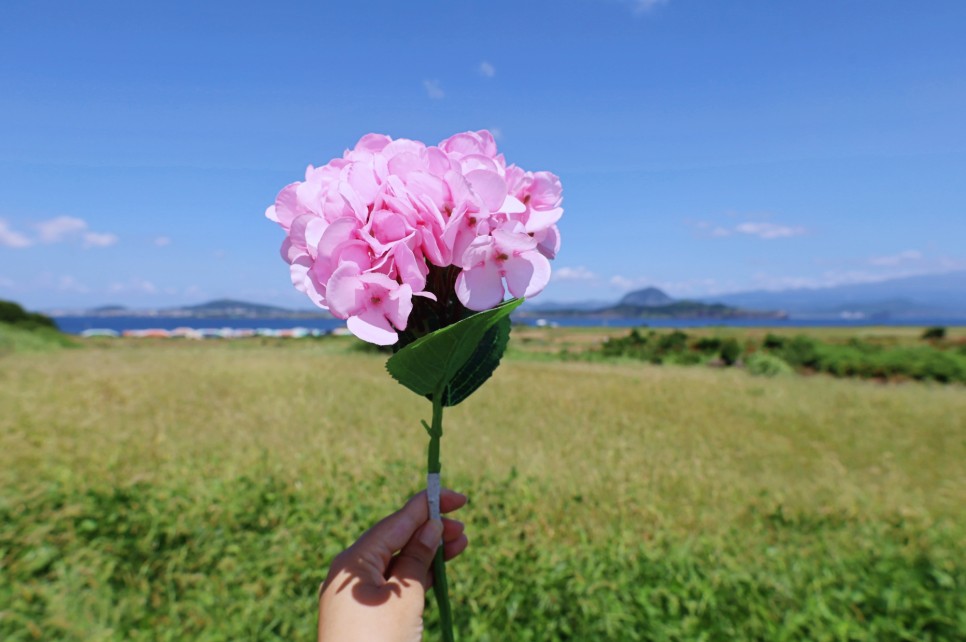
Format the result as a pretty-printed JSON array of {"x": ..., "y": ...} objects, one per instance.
[
  {"x": 708, "y": 345},
  {"x": 676, "y": 341},
  {"x": 935, "y": 333},
  {"x": 14, "y": 314},
  {"x": 766, "y": 365},
  {"x": 801, "y": 351},
  {"x": 730, "y": 351},
  {"x": 773, "y": 342}
]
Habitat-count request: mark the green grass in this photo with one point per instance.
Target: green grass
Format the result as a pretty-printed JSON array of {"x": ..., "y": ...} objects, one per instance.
[
  {"x": 37, "y": 339},
  {"x": 171, "y": 491}
]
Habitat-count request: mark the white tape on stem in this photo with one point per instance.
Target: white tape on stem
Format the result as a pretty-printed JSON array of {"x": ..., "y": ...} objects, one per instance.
[{"x": 432, "y": 494}]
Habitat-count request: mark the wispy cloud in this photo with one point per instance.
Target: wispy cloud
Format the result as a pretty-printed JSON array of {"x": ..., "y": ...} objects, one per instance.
[
  {"x": 433, "y": 89},
  {"x": 579, "y": 273},
  {"x": 769, "y": 231},
  {"x": 58, "y": 229},
  {"x": 643, "y": 6},
  {"x": 626, "y": 283},
  {"x": 97, "y": 239},
  {"x": 487, "y": 69},
  {"x": 6, "y": 283},
  {"x": 892, "y": 260},
  {"x": 760, "y": 229},
  {"x": 11, "y": 238},
  {"x": 162, "y": 241}
]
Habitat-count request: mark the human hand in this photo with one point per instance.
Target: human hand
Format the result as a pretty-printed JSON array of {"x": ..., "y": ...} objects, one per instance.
[{"x": 376, "y": 588}]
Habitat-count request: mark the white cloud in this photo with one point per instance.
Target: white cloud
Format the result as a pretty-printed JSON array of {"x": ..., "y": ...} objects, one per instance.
[
  {"x": 12, "y": 238},
  {"x": 96, "y": 239},
  {"x": 497, "y": 133},
  {"x": 625, "y": 283},
  {"x": 579, "y": 273},
  {"x": 162, "y": 241},
  {"x": 487, "y": 69},
  {"x": 768, "y": 231},
  {"x": 892, "y": 260},
  {"x": 433, "y": 90},
  {"x": 6, "y": 283},
  {"x": 58, "y": 229}
]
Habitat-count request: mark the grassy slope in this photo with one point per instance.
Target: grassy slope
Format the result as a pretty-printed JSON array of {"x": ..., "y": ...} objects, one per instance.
[
  {"x": 14, "y": 339},
  {"x": 196, "y": 491}
]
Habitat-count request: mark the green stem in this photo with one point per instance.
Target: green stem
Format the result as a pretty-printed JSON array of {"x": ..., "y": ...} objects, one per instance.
[{"x": 440, "y": 587}]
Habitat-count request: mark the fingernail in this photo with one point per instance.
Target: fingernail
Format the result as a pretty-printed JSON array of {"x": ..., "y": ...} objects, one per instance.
[{"x": 431, "y": 534}]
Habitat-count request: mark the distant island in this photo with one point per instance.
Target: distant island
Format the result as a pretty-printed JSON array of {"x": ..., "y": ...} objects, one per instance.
[
  {"x": 653, "y": 303},
  {"x": 220, "y": 308}
]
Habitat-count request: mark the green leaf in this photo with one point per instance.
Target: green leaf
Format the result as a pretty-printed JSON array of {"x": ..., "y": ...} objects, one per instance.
[{"x": 454, "y": 361}]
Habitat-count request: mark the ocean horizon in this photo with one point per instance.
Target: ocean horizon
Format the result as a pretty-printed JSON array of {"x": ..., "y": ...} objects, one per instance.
[{"x": 78, "y": 324}]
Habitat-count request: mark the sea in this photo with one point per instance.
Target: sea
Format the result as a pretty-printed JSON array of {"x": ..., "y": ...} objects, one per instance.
[{"x": 78, "y": 324}]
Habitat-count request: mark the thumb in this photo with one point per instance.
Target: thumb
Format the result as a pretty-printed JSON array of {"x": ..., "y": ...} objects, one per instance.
[{"x": 415, "y": 558}]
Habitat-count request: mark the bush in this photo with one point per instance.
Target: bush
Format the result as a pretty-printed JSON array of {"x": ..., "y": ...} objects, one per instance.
[
  {"x": 935, "y": 333},
  {"x": 766, "y": 365},
  {"x": 800, "y": 351},
  {"x": 13, "y": 314},
  {"x": 708, "y": 345},
  {"x": 730, "y": 351},
  {"x": 773, "y": 342}
]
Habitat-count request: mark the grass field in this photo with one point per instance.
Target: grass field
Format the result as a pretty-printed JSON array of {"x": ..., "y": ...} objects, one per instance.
[{"x": 172, "y": 491}]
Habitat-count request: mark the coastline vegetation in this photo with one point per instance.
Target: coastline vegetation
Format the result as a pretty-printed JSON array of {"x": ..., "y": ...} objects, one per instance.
[
  {"x": 932, "y": 357},
  {"x": 23, "y": 331}
]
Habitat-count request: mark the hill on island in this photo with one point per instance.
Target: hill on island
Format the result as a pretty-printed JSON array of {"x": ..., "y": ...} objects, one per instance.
[
  {"x": 653, "y": 303},
  {"x": 219, "y": 308}
]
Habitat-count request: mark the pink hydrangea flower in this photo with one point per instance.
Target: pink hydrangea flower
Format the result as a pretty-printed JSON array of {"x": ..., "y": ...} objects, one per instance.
[{"x": 367, "y": 232}]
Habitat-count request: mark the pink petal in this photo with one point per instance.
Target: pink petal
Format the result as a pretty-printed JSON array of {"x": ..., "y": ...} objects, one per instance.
[
  {"x": 345, "y": 291},
  {"x": 428, "y": 186},
  {"x": 314, "y": 230},
  {"x": 372, "y": 143},
  {"x": 480, "y": 288},
  {"x": 338, "y": 232},
  {"x": 549, "y": 245},
  {"x": 379, "y": 280},
  {"x": 540, "y": 220},
  {"x": 479, "y": 252},
  {"x": 352, "y": 199},
  {"x": 408, "y": 267},
  {"x": 371, "y": 325},
  {"x": 513, "y": 205},
  {"x": 354, "y": 252},
  {"x": 513, "y": 241},
  {"x": 545, "y": 191},
  {"x": 489, "y": 186},
  {"x": 398, "y": 306},
  {"x": 426, "y": 294},
  {"x": 298, "y": 271},
  {"x": 402, "y": 164},
  {"x": 362, "y": 178},
  {"x": 527, "y": 274}
]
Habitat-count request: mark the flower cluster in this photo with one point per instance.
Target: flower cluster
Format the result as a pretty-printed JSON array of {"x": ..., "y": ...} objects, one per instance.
[{"x": 363, "y": 231}]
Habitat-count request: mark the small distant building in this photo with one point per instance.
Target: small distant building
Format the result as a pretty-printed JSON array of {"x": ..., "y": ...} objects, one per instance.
[
  {"x": 150, "y": 333},
  {"x": 185, "y": 333},
  {"x": 100, "y": 332}
]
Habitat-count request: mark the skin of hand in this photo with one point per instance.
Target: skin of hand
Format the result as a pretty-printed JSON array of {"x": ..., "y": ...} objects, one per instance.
[{"x": 376, "y": 588}]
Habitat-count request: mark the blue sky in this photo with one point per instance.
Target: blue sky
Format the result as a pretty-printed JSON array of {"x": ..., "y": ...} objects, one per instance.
[{"x": 703, "y": 146}]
